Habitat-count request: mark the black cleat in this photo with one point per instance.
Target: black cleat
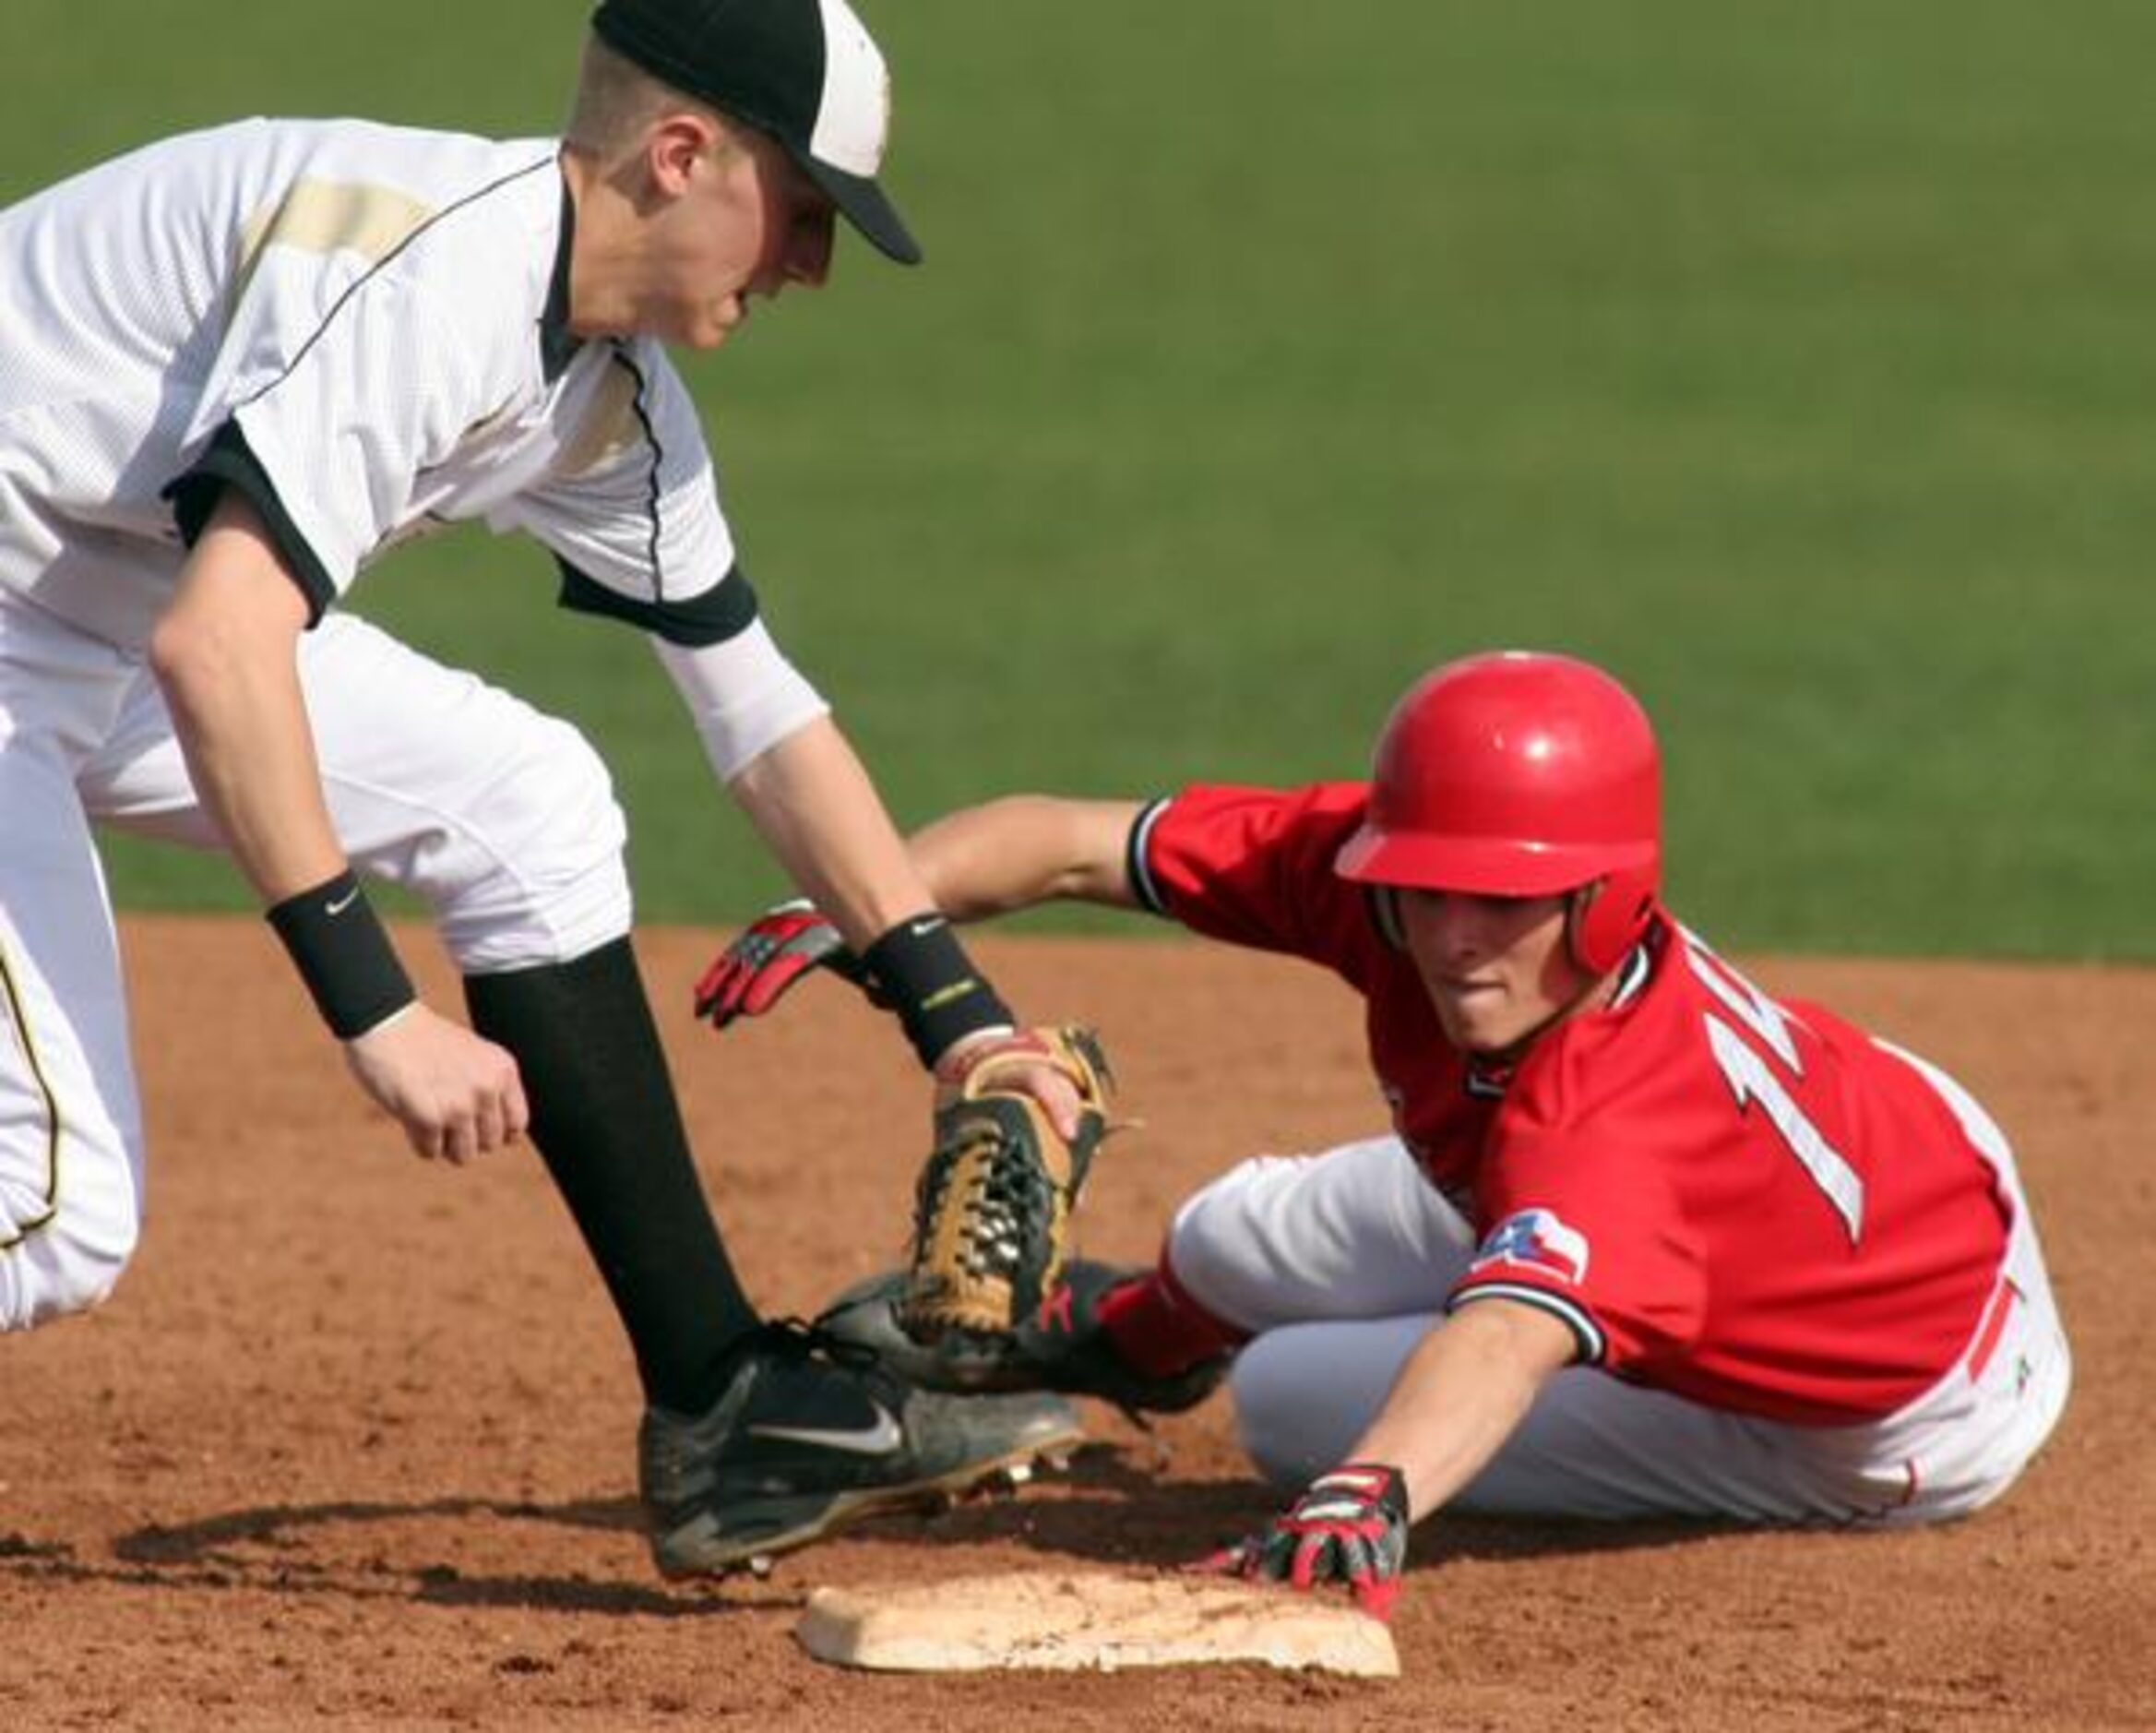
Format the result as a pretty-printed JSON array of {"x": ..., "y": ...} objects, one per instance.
[
  {"x": 1061, "y": 1347},
  {"x": 811, "y": 1436}
]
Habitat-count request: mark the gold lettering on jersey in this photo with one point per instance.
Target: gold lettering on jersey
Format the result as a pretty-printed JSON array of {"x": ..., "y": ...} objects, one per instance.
[{"x": 332, "y": 217}]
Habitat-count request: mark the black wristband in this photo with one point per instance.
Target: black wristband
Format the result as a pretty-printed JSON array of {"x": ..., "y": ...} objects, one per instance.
[
  {"x": 923, "y": 972},
  {"x": 344, "y": 956}
]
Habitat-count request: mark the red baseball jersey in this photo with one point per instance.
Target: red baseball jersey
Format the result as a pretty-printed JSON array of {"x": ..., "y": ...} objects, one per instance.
[{"x": 1748, "y": 1202}]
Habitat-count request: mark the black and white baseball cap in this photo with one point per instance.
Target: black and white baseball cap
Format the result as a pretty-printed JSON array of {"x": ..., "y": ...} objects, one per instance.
[{"x": 805, "y": 71}]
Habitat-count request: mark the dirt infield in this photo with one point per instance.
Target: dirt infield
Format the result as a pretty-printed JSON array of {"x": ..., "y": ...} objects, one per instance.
[{"x": 352, "y": 1445}]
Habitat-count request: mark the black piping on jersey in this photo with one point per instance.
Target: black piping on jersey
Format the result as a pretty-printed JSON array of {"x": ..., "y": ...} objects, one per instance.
[
  {"x": 383, "y": 264},
  {"x": 1634, "y": 973},
  {"x": 194, "y": 499},
  {"x": 1133, "y": 857},
  {"x": 726, "y": 609},
  {"x": 1593, "y": 1344},
  {"x": 557, "y": 343},
  {"x": 1483, "y": 1077},
  {"x": 229, "y": 461},
  {"x": 711, "y": 616},
  {"x": 639, "y": 403}
]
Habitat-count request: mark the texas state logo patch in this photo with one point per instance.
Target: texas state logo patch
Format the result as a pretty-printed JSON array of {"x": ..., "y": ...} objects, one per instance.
[{"x": 1535, "y": 1240}]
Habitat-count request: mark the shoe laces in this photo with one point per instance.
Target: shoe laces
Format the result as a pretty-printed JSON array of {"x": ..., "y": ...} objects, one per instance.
[
  {"x": 794, "y": 1342},
  {"x": 796, "y": 1338}
]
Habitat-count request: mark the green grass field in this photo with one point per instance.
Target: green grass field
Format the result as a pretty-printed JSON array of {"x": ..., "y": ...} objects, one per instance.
[{"x": 1797, "y": 361}]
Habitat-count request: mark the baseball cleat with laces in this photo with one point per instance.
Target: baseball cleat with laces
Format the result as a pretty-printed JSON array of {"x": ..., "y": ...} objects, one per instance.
[{"x": 812, "y": 1435}]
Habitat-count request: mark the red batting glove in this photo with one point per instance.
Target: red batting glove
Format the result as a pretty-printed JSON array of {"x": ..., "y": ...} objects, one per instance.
[
  {"x": 768, "y": 956},
  {"x": 1350, "y": 1527}
]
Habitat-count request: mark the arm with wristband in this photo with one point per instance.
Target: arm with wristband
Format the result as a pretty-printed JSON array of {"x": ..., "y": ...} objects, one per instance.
[
  {"x": 996, "y": 858},
  {"x": 223, "y": 655},
  {"x": 811, "y": 801},
  {"x": 1017, "y": 1112}
]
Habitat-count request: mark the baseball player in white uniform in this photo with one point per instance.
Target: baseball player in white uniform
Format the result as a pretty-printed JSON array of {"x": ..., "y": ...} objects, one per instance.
[
  {"x": 236, "y": 368},
  {"x": 1641, "y": 1239}
]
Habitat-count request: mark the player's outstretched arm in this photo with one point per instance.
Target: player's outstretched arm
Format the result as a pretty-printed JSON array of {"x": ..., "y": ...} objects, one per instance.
[
  {"x": 811, "y": 800},
  {"x": 981, "y": 860},
  {"x": 1012, "y": 854},
  {"x": 225, "y": 656},
  {"x": 1465, "y": 1388}
]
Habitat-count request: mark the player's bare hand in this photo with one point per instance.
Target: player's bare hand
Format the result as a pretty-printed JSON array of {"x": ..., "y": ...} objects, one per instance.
[
  {"x": 1043, "y": 1080},
  {"x": 455, "y": 1095}
]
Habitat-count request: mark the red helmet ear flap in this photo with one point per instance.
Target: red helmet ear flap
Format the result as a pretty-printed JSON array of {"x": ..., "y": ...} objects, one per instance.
[{"x": 1608, "y": 917}]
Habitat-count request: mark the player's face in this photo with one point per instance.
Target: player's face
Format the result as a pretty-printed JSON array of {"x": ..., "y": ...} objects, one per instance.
[
  {"x": 1498, "y": 969},
  {"x": 747, "y": 225}
]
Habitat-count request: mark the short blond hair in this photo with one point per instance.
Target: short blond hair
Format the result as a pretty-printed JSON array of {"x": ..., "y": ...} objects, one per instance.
[{"x": 618, "y": 102}]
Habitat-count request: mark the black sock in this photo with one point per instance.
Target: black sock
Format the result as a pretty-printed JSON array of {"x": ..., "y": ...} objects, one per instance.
[{"x": 606, "y": 1121}]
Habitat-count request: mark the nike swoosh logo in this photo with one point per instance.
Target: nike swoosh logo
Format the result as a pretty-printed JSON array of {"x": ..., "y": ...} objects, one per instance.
[
  {"x": 869, "y": 1441},
  {"x": 342, "y": 903}
]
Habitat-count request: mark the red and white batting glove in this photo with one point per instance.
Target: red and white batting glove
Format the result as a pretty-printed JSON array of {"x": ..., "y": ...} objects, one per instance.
[
  {"x": 767, "y": 956},
  {"x": 1350, "y": 1527}
]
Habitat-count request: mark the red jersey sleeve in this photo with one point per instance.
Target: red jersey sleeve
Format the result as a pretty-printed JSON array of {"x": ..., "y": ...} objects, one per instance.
[
  {"x": 1745, "y": 1202},
  {"x": 1254, "y": 867},
  {"x": 1601, "y": 1245}
]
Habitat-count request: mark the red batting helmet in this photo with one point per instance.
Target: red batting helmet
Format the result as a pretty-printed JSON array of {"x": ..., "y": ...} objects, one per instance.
[{"x": 1520, "y": 774}]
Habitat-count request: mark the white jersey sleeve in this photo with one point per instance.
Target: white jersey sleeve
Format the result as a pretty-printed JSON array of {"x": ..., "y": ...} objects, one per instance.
[{"x": 631, "y": 509}]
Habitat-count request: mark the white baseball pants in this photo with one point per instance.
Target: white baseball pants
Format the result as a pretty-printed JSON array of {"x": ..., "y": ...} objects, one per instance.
[
  {"x": 1340, "y": 1264},
  {"x": 502, "y": 818}
]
